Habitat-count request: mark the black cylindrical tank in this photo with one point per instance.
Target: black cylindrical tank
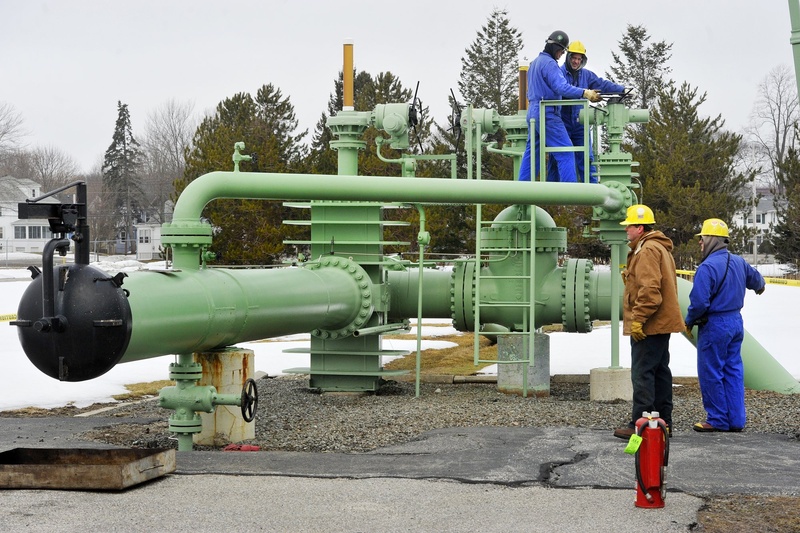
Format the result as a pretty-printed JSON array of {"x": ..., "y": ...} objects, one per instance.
[{"x": 89, "y": 329}]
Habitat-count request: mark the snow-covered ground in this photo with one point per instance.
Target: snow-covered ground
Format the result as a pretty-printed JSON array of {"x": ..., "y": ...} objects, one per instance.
[{"x": 769, "y": 318}]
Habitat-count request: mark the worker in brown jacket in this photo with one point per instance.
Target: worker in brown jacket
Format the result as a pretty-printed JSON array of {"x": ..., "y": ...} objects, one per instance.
[{"x": 650, "y": 314}]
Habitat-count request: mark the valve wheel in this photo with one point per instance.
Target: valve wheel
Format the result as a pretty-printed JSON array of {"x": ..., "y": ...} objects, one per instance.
[{"x": 249, "y": 400}]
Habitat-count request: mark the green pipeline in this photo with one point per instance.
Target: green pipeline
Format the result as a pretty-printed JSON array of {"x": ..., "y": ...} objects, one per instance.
[
  {"x": 270, "y": 186},
  {"x": 186, "y": 235},
  {"x": 194, "y": 311}
]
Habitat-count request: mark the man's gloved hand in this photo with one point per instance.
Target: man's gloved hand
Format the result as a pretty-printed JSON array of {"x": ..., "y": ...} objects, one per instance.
[
  {"x": 624, "y": 274},
  {"x": 591, "y": 95},
  {"x": 688, "y": 331},
  {"x": 761, "y": 290},
  {"x": 630, "y": 92},
  {"x": 636, "y": 332}
]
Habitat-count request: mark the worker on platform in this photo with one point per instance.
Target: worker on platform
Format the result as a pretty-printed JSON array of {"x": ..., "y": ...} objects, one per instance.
[
  {"x": 546, "y": 82},
  {"x": 575, "y": 72}
]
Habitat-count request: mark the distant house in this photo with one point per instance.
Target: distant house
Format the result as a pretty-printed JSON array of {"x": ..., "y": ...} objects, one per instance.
[
  {"x": 148, "y": 246},
  {"x": 762, "y": 215},
  {"x": 20, "y": 235}
]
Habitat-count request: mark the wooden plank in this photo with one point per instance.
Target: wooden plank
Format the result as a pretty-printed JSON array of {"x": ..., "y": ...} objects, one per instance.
[{"x": 81, "y": 468}]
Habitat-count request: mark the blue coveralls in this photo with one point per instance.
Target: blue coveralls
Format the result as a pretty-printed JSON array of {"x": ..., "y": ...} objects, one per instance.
[
  {"x": 719, "y": 359},
  {"x": 546, "y": 82},
  {"x": 569, "y": 114}
]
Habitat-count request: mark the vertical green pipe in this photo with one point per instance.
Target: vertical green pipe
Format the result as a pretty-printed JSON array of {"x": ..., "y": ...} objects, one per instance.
[
  {"x": 476, "y": 341},
  {"x": 794, "y": 15},
  {"x": 422, "y": 235},
  {"x": 185, "y": 439},
  {"x": 616, "y": 263}
]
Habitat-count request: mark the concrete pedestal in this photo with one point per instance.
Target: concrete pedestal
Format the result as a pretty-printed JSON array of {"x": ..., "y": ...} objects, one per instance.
[
  {"x": 226, "y": 370},
  {"x": 608, "y": 384},
  {"x": 510, "y": 375}
]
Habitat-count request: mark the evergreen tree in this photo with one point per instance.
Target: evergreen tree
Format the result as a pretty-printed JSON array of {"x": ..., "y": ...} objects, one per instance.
[
  {"x": 490, "y": 69},
  {"x": 369, "y": 91},
  {"x": 687, "y": 169},
  {"x": 121, "y": 175},
  {"x": 489, "y": 79},
  {"x": 641, "y": 65},
  {"x": 786, "y": 233},
  {"x": 248, "y": 231}
]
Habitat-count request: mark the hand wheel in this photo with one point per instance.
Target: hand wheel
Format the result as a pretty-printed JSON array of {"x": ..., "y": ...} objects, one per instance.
[{"x": 249, "y": 400}]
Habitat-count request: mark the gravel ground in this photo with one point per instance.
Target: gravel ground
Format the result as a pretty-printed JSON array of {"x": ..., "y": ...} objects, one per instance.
[{"x": 292, "y": 417}]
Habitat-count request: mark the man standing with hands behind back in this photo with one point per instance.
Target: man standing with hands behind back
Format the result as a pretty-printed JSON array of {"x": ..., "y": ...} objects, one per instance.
[
  {"x": 650, "y": 314},
  {"x": 715, "y": 302}
]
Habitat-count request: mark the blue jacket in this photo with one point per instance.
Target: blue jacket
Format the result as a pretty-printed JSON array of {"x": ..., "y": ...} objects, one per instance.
[
  {"x": 588, "y": 80},
  {"x": 726, "y": 298},
  {"x": 546, "y": 82}
]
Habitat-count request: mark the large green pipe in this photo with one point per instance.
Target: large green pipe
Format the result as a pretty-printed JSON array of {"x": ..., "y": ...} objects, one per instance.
[
  {"x": 187, "y": 312},
  {"x": 762, "y": 371},
  {"x": 105, "y": 320},
  {"x": 269, "y": 186},
  {"x": 438, "y": 287}
]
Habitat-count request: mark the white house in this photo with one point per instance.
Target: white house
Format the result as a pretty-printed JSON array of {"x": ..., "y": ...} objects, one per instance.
[
  {"x": 20, "y": 235},
  {"x": 148, "y": 246},
  {"x": 761, "y": 215}
]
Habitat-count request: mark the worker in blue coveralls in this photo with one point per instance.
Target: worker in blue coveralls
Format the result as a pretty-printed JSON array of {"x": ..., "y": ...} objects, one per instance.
[
  {"x": 715, "y": 304},
  {"x": 546, "y": 82},
  {"x": 576, "y": 73}
]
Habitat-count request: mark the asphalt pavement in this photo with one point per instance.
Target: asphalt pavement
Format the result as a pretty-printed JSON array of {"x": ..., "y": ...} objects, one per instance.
[{"x": 451, "y": 480}]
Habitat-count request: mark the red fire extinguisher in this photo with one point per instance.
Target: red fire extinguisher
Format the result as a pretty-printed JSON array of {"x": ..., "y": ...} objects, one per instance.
[{"x": 651, "y": 461}]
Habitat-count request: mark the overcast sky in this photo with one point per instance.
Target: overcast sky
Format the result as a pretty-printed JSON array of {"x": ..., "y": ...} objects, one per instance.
[{"x": 64, "y": 64}]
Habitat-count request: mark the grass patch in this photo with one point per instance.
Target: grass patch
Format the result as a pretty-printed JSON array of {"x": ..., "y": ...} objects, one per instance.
[
  {"x": 457, "y": 360},
  {"x": 137, "y": 391}
]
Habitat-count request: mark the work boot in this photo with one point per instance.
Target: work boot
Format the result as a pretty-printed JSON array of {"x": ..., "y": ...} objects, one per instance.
[{"x": 625, "y": 432}]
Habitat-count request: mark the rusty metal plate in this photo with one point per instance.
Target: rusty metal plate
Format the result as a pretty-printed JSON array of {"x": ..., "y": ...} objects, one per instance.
[{"x": 82, "y": 468}]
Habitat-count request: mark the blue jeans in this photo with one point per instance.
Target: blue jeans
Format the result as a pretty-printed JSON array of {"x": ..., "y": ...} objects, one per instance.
[{"x": 651, "y": 377}]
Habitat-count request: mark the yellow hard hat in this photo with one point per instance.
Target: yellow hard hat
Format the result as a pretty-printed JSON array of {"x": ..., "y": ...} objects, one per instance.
[
  {"x": 714, "y": 227},
  {"x": 639, "y": 214},
  {"x": 576, "y": 47}
]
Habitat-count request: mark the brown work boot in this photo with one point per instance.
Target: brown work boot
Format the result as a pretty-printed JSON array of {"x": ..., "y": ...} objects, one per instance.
[{"x": 624, "y": 432}]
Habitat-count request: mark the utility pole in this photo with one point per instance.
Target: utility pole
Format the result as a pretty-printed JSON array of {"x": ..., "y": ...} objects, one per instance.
[{"x": 755, "y": 224}]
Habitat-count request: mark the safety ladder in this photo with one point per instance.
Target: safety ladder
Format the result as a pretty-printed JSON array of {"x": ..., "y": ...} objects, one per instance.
[{"x": 525, "y": 279}]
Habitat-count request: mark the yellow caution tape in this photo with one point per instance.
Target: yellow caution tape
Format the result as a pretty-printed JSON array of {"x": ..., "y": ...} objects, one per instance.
[{"x": 769, "y": 281}]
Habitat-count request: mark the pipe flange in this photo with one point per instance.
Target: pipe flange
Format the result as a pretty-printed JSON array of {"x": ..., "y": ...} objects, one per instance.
[
  {"x": 364, "y": 285},
  {"x": 462, "y": 296},
  {"x": 600, "y": 213},
  {"x": 551, "y": 240},
  {"x": 575, "y": 296}
]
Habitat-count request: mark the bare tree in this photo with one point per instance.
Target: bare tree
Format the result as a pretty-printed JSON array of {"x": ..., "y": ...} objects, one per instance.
[
  {"x": 168, "y": 133},
  {"x": 102, "y": 218},
  {"x": 11, "y": 130},
  {"x": 16, "y": 163},
  {"x": 52, "y": 167},
  {"x": 770, "y": 131}
]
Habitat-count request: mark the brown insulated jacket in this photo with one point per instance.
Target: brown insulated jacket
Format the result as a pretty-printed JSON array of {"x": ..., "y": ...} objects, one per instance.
[{"x": 651, "y": 289}]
